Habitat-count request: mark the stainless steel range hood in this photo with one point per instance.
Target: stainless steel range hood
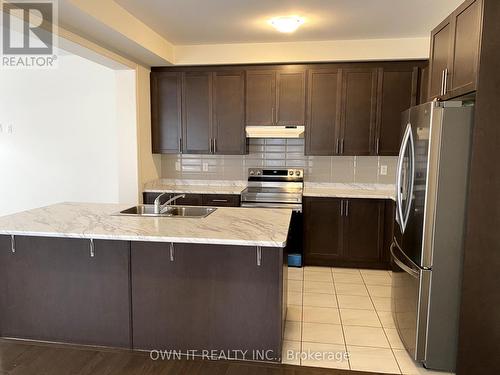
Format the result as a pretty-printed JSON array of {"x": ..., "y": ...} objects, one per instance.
[{"x": 275, "y": 131}]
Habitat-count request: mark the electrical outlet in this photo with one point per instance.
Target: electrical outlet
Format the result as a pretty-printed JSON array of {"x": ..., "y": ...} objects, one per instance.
[
  {"x": 177, "y": 166},
  {"x": 383, "y": 170},
  {"x": 205, "y": 167}
]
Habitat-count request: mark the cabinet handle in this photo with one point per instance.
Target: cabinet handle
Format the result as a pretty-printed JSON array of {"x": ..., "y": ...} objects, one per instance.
[
  {"x": 377, "y": 145},
  {"x": 180, "y": 145},
  {"x": 272, "y": 116},
  {"x": 92, "y": 248},
  {"x": 215, "y": 145},
  {"x": 442, "y": 82},
  {"x": 259, "y": 256},
  {"x": 346, "y": 208},
  {"x": 13, "y": 244},
  {"x": 171, "y": 251},
  {"x": 342, "y": 208},
  {"x": 337, "y": 150},
  {"x": 342, "y": 146},
  {"x": 219, "y": 200},
  {"x": 445, "y": 84}
]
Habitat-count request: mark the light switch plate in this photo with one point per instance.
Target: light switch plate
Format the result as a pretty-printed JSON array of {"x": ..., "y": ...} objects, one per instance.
[{"x": 383, "y": 170}]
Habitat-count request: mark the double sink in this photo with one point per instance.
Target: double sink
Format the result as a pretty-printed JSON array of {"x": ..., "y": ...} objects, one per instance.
[{"x": 148, "y": 210}]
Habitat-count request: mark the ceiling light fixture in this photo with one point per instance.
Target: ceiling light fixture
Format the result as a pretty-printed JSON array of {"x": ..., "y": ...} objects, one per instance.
[{"x": 286, "y": 24}]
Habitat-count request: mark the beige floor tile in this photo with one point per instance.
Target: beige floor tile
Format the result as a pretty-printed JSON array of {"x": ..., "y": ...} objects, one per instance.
[
  {"x": 410, "y": 367},
  {"x": 322, "y": 333},
  {"x": 394, "y": 339},
  {"x": 294, "y": 313},
  {"x": 318, "y": 287},
  {"x": 345, "y": 270},
  {"x": 355, "y": 302},
  {"x": 294, "y": 298},
  {"x": 319, "y": 300},
  {"x": 317, "y": 269},
  {"x": 318, "y": 276},
  {"x": 295, "y": 286},
  {"x": 354, "y": 317},
  {"x": 329, "y": 315},
  {"x": 324, "y": 355},
  {"x": 351, "y": 289},
  {"x": 372, "y": 359},
  {"x": 365, "y": 336},
  {"x": 291, "y": 352},
  {"x": 295, "y": 273},
  {"x": 373, "y": 272},
  {"x": 293, "y": 331},
  {"x": 383, "y": 279},
  {"x": 382, "y": 303},
  {"x": 386, "y": 319},
  {"x": 347, "y": 278},
  {"x": 379, "y": 291}
]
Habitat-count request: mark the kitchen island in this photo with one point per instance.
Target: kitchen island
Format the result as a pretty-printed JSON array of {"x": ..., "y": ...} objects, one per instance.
[{"x": 77, "y": 273}]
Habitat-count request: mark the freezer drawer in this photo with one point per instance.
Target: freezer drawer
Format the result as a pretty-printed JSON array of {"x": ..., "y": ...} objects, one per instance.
[{"x": 410, "y": 301}]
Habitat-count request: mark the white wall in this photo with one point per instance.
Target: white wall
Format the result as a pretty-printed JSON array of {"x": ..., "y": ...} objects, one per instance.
[{"x": 65, "y": 143}]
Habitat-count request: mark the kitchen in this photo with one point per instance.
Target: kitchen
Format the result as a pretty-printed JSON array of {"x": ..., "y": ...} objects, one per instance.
[{"x": 289, "y": 206}]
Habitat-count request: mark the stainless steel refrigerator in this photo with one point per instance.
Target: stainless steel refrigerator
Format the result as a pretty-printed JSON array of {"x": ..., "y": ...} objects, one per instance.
[{"x": 427, "y": 250}]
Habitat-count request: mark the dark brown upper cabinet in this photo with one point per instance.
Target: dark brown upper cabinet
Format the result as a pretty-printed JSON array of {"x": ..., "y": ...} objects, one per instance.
[
  {"x": 260, "y": 97},
  {"x": 197, "y": 112},
  {"x": 166, "y": 112},
  {"x": 228, "y": 133},
  {"x": 398, "y": 90},
  {"x": 454, "y": 56},
  {"x": 275, "y": 97},
  {"x": 358, "y": 112},
  {"x": 323, "y": 113}
]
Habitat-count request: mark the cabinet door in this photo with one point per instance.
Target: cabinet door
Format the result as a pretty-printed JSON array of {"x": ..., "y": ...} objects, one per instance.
[
  {"x": 358, "y": 113},
  {"x": 363, "y": 231},
  {"x": 52, "y": 289},
  {"x": 399, "y": 87},
  {"x": 322, "y": 230},
  {"x": 229, "y": 113},
  {"x": 323, "y": 111},
  {"x": 291, "y": 98},
  {"x": 260, "y": 97},
  {"x": 466, "y": 22},
  {"x": 197, "y": 112},
  {"x": 439, "y": 62},
  {"x": 166, "y": 112}
]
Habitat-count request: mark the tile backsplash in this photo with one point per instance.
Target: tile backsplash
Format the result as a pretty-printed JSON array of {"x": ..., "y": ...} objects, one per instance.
[{"x": 280, "y": 153}]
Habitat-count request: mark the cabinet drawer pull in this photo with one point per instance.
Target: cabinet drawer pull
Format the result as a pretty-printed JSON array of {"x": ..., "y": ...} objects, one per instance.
[
  {"x": 92, "y": 248},
  {"x": 171, "y": 251},
  {"x": 259, "y": 256},
  {"x": 13, "y": 244}
]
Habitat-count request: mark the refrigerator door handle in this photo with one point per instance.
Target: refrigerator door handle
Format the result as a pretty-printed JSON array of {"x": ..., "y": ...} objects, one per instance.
[
  {"x": 399, "y": 172},
  {"x": 401, "y": 263},
  {"x": 411, "y": 144}
]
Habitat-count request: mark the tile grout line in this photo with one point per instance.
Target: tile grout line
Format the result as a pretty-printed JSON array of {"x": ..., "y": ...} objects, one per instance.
[
  {"x": 383, "y": 330},
  {"x": 340, "y": 318}
]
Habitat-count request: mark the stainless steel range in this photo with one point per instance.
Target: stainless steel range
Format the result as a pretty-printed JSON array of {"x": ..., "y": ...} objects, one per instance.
[
  {"x": 279, "y": 189},
  {"x": 274, "y": 188}
]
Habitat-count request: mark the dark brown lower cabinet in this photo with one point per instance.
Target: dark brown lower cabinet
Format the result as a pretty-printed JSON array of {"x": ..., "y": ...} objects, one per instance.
[
  {"x": 346, "y": 232},
  {"x": 214, "y": 200},
  {"x": 207, "y": 297},
  {"x": 51, "y": 289}
]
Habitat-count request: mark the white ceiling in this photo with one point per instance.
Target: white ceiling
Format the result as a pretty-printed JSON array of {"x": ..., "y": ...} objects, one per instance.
[{"x": 191, "y": 22}]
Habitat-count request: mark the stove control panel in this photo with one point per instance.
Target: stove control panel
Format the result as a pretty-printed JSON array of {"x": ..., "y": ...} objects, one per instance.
[{"x": 284, "y": 173}]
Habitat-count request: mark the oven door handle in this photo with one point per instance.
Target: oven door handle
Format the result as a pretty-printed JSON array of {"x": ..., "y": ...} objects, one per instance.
[{"x": 294, "y": 207}]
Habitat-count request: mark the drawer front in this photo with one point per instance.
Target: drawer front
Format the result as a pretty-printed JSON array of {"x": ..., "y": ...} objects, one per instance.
[{"x": 221, "y": 200}]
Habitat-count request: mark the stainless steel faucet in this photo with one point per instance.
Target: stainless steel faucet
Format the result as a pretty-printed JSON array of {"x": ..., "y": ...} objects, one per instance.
[{"x": 159, "y": 208}]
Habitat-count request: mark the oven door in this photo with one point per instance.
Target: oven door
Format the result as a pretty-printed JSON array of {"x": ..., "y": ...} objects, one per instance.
[{"x": 410, "y": 302}]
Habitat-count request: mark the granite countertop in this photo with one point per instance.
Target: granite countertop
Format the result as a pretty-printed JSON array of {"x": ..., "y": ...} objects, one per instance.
[
  {"x": 225, "y": 226},
  {"x": 337, "y": 190},
  {"x": 195, "y": 186}
]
